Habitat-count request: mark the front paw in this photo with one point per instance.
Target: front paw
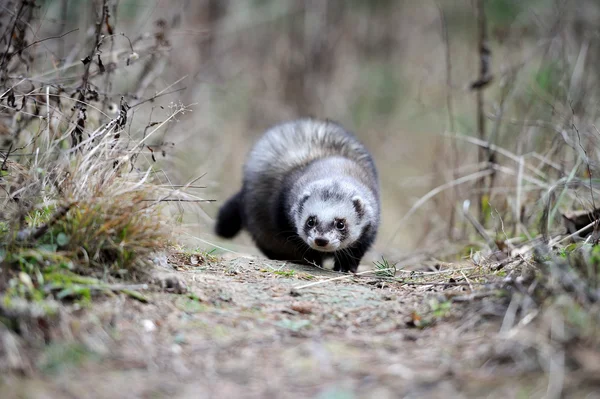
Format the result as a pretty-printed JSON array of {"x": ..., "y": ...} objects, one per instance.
[
  {"x": 345, "y": 267},
  {"x": 314, "y": 259},
  {"x": 351, "y": 268}
]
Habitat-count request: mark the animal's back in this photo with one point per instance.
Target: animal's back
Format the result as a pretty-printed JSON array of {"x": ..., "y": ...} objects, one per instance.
[
  {"x": 282, "y": 153},
  {"x": 295, "y": 144}
]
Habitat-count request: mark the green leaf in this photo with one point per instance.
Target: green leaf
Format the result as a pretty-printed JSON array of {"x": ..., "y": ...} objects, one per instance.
[
  {"x": 62, "y": 239},
  {"x": 48, "y": 247}
]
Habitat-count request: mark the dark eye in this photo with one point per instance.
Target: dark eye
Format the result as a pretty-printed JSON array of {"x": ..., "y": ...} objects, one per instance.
[
  {"x": 311, "y": 222},
  {"x": 340, "y": 225}
]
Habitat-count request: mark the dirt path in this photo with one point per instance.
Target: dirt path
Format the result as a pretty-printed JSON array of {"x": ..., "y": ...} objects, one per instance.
[{"x": 253, "y": 333}]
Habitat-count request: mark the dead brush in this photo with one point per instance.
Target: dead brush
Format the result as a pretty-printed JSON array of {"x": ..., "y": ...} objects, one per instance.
[
  {"x": 84, "y": 202},
  {"x": 90, "y": 206},
  {"x": 534, "y": 165}
]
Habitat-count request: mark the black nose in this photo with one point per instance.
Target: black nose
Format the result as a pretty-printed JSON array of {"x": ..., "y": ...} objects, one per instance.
[{"x": 321, "y": 242}]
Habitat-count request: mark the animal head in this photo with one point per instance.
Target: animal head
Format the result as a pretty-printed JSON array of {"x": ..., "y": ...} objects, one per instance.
[{"x": 331, "y": 218}]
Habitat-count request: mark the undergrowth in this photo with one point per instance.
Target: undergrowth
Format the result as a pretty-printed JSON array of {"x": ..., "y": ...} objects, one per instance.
[
  {"x": 84, "y": 205},
  {"x": 518, "y": 186}
]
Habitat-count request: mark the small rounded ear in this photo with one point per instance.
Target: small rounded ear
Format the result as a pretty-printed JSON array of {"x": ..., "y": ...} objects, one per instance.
[{"x": 359, "y": 206}]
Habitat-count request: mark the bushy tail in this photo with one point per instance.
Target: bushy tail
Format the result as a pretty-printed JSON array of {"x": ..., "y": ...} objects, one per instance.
[{"x": 229, "y": 220}]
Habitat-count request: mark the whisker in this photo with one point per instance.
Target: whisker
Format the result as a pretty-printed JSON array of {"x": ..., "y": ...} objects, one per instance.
[
  {"x": 304, "y": 253},
  {"x": 349, "y": 254},
  {"x": 286, "y": 232},
  {"x": 294, "y": 239}
]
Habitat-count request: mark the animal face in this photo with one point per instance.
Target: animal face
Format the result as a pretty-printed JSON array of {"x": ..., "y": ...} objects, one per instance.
[{"x": 328, "y": 223}]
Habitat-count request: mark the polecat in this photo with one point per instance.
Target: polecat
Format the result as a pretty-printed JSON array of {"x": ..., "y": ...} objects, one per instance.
[{"x": 310, "y": 191}]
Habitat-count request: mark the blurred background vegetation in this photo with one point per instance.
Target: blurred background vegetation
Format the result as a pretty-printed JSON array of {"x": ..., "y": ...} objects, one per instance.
[{"x": 398, "y": 73}]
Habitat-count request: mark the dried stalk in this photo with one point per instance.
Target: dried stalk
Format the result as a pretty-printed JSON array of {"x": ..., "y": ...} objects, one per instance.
[{"x": 483, "y": 80}]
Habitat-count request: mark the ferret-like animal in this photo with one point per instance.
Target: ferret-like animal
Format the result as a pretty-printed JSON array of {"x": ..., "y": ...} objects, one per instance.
[{"x": 310, "y": 191}]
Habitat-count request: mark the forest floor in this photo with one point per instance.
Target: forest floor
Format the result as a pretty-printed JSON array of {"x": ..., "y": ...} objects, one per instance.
[{"x": 253, "y": 328}]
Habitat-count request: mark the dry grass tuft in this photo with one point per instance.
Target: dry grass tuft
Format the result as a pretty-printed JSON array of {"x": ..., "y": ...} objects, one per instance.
[
  {"x": 92, "y": 213},
  {"x": 84, "y": 199}
]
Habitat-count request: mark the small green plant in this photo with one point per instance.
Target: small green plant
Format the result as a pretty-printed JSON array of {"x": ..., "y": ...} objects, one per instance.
[
  {"x": 191, "y": 304},
  {"x": 284, "y": 273},
  {"x": 37, "y": 217},
  {"x": 440, "y": 309},
  {"x": 563, "y": 252},
  {"x": 305, "y": 276},
  {"x": 57, "y": 357},
  {"x": 595, "y": 255},
  {"x": 384, "y": 268}
]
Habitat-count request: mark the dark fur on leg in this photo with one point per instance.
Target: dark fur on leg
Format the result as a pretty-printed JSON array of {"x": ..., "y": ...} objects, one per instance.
[
  {"x": 309, "y": 257},
  {"x": 348, "y": 259},
  {"x": 229, "y": 219},
  {"x": 268, "y": 253}
]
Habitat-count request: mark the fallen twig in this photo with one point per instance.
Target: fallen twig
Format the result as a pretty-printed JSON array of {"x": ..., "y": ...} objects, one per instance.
[{"x": 339, "y": 278}]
